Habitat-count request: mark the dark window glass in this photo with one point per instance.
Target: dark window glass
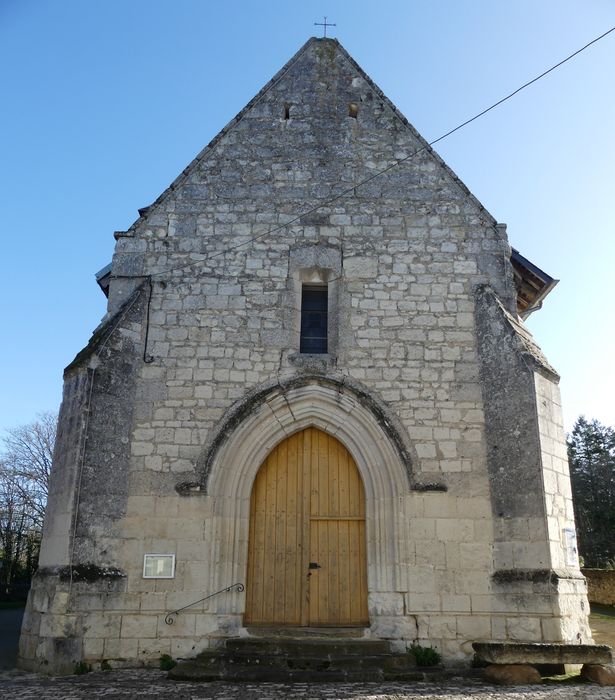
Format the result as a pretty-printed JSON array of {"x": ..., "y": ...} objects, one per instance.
[{"x": 313, "y": 320}]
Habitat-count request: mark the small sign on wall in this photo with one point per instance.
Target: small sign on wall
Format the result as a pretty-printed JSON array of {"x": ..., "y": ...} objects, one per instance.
[
  {"x": 159, "y": 566},
  {"x": 570, "y": 544}
]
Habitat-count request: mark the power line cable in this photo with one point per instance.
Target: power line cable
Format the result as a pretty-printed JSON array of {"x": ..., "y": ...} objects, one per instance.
[{"x": 378, "y": 173}]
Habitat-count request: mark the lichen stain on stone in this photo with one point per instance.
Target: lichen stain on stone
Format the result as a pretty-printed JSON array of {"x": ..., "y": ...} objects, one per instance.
[{"x": 89, "y": 573}]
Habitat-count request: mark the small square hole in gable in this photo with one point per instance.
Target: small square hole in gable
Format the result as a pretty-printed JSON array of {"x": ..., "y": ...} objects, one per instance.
[{"x": 353, "y": 110}]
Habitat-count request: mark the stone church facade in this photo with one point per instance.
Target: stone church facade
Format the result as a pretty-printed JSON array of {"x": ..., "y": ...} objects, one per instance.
[{"x": 344, "y": 414}]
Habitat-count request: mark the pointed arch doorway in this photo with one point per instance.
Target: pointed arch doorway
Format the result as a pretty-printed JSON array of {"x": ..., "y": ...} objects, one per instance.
[{"x": 307, "y": 550}]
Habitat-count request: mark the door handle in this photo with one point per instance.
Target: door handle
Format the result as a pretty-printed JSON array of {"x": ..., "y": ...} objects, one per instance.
[{"x": 314, "y": 565}]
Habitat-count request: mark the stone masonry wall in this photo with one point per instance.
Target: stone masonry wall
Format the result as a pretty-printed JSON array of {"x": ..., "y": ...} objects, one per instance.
[{"x": 600, "y": 586}]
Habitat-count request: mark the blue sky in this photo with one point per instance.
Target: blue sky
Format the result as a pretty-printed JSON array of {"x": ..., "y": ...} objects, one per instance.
[{"x": 104, "y": 103}]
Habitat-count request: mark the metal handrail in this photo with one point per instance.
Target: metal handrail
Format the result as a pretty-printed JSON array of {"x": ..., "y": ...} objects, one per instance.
[{"x": 239, "y": 587}]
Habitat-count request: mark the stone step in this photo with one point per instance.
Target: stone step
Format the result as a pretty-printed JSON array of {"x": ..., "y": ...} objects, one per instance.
[
  {"x": 195, "y": 672},
  {"x": 284, "y": 659},
  {"x": 389, "y": 662},
  {"x": 306, "y": 632},
  {"x": 298, "y": 647}
]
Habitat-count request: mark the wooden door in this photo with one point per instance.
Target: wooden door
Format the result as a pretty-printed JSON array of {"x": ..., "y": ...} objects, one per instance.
[{"x": 306, "y": 552}]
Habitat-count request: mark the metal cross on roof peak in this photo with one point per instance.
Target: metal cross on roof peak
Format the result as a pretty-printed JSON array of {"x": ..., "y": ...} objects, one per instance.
[{"x": 324, "y": 25}]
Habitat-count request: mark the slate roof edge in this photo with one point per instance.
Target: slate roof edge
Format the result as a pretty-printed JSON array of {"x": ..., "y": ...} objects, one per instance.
[{"x": 549, "y": 282}]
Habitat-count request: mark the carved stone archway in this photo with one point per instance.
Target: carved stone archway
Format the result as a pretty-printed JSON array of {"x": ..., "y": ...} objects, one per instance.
[{"x": 341, "y": 413}]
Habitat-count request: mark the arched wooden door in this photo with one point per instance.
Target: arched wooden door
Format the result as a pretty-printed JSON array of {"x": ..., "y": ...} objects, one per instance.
[{"x": 306, "y": 552}]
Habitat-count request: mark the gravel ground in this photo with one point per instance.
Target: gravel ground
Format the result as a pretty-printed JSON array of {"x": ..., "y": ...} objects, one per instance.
[{"x": 16, "y": 685}]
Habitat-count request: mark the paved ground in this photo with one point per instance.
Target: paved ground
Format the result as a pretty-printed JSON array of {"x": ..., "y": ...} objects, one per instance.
[{"x": 154, "y": 686}]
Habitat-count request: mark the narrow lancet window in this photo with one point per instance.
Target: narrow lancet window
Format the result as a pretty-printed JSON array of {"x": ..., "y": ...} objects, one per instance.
[{"x": 314, "y": 318}]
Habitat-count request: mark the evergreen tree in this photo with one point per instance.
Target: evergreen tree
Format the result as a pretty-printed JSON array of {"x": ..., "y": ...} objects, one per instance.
[{"x": 591, "y": 451}]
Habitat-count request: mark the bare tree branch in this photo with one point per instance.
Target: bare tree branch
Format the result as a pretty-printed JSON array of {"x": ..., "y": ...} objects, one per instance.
[{"x": 25, "y": 465}]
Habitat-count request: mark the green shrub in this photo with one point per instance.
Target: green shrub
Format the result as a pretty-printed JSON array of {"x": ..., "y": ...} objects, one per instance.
[
  {"x": 425, "y": 656},
  {"x": 166, "y": 662},
  {"x": 81, "y": 668}
]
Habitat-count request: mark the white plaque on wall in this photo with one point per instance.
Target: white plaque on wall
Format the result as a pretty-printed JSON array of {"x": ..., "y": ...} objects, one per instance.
[
  {"x": 570, "y": 544},
  {"x": 159, "y": 566}
]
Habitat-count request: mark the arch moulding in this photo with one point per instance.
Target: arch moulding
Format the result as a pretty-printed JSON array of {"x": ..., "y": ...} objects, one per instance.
[{"x": 231, "y": 463}]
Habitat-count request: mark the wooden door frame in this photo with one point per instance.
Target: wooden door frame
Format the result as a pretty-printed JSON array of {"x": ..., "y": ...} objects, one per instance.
[{"x": 309, "y": 511}]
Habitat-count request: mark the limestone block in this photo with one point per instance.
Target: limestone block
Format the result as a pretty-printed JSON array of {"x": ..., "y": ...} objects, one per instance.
[
  {"x": 39, "y": 601},
  {"x": 537, "y": 604},
  {"x": 90, "y": 601},
  {"x": 523, "y": 628},
  {"x": 122, "y": 601},
  {"x": 360, "y": 267},
  {"x": 206, "y": 625},
  {"x": 574, "y": 627},
  {"x": 153, "y": 648},
  {"x": 62, "y": 652},
  {"x": 395, "y": 627},
  {"x": 93, "y": 648},
  {"x": 27, "y": 645},
  {"x": 421, "y": 579},
  {"x": 386, "y": 603},
  {"x": 422, "y": 602},
  {"x": 512, "y": 674},
  {"x": 31, "y": 621},
  {"x": 454, "y": 602},
  {"x": 430, "y": 552},
  {"x": 196, "y": 573},
  {"x": 192, "y": 550},
  {"x": 476, "y": 582},
  {"x": 476, "y": 555},
  {"x": 105, "y": 625},
  {"x": 498, "y": 628},
  {"x": 423, "y": 528},
  {"x": 178, "y": 599},
  {"x": 121, "y": 648},
  {"x": 59, "y": 602},
  {"x": 187, "y": 647},
  {"x": 139, "y": 449},
  {"x": 453, "y": 650},
  {"x": 139, "y": 626},
  {"x": 442, "y": 627},
  {"x": 151, "y": 601},
  {"x": 473, "y": 627},
  {"x": 183, "y": 625},
  {"x": 229, "y": 625},
  {"x": 58, "y": 625}
]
